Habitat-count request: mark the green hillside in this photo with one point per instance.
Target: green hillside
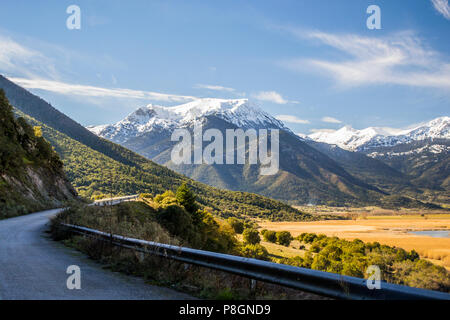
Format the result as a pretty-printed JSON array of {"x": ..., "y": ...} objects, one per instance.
[{"x": 31, "y": 173}]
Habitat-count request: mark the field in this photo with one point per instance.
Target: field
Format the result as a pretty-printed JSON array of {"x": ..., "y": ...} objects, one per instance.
[{"x": 391, "y": 230}]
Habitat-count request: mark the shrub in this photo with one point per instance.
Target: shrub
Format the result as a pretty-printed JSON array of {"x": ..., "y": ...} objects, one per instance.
[
  {"x": 270, "y": 236},
  {"x": 309, "y": 238},
  {"x": 284, "y": 238},
  {"x": 236, "y": 224},
  {"x": 251, "y": 236},
  {"x": 255, "y": 251}
]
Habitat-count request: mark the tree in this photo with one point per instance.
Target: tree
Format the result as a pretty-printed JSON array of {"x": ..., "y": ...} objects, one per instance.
[
  {"x": 186, "y": 198},
  {"x": 251, "y": 236},
  {"x": 38, "y": 131},
  {"x": 236, "y": 224},
  {"x": 284, "y": 238}
]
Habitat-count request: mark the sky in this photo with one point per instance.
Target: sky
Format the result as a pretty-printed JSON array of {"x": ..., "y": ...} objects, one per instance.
[{"x": 313, "y": 64}]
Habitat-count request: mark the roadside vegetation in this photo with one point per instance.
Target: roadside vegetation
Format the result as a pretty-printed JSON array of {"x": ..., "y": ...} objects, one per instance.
[{"x": 176, "y": 218}]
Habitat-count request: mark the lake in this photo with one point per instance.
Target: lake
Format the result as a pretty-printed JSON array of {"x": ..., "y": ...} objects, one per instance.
[{"x": 433, "y": 233}]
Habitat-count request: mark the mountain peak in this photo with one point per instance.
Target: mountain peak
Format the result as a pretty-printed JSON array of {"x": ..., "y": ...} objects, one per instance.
[{"x": 239, "y": 112}]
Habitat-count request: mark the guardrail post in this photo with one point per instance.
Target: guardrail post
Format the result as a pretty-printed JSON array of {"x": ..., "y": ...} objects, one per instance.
[{"x": 252, "y": 285}]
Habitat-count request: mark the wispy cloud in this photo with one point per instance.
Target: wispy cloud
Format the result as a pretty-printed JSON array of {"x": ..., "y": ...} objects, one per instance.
[
  {"x": 34, "y": 70},
  {"x": 271, "y": 96},
  {"x": 92, "y": 91},
  {"x": 331, "y": 120},
  {"x": 401, "y": 59},
  {"x": 214, "y": 87},
  {"x": 20, "y": 60},
  {"x": 291, "y": 119},
  {"x": 442, "y": 7}
]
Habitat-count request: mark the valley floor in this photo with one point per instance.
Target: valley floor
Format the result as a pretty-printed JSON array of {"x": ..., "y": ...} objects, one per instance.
[{"x": 389, "y": 230}]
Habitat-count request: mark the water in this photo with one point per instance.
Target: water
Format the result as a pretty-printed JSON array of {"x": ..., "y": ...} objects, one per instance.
[{"x": 433, "y": 233}]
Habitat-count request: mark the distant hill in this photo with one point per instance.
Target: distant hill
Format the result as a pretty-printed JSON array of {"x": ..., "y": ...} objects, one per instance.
[
  {"x": 95, "y": 165},
  {"x": 31, "y": 173}
]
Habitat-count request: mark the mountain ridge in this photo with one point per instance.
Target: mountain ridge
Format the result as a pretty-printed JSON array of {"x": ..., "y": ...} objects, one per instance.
[{"x": 373, "y": 137}]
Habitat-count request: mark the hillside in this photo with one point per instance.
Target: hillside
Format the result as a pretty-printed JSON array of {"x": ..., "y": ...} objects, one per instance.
[
  {"x": 31, "y": 173},
  {"x": 426, "y": 162}
]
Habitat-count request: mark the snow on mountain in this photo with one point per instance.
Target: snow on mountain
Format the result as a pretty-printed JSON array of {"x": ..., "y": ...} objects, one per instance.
[
  {"x": 372, "y": 137},
  {"x": 239, "y": 112}
]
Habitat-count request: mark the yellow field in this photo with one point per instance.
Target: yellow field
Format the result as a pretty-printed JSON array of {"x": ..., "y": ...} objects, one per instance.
[{"x": 389, "y": 230}]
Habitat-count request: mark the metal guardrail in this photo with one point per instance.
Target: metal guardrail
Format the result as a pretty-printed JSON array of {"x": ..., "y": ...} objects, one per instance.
[
  {"x": 116, "y": 200},
  {"x": 313, "y": 281}
]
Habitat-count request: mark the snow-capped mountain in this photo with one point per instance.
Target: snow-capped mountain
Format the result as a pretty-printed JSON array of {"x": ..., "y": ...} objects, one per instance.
[
  {"x": 310, "y": 175},
  {"x": 374, "y": 137},
  {"x": 240, "y": 112}
]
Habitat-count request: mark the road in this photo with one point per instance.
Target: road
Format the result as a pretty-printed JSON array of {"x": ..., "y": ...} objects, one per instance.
[{"x": 32, "y": 266}]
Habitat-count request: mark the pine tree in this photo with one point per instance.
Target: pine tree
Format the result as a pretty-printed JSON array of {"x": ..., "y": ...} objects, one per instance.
[{"x": 186, "y": 198}]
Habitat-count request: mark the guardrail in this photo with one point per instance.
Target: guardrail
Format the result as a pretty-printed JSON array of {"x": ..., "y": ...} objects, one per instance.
[
  {"x": 317, "y": 282},
  {"x": 116, "y": 200}
]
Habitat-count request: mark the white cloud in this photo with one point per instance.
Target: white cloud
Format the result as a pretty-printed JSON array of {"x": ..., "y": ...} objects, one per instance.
[
  {"x": 91, "y": 91},
  {"x": 442, "y": 7},
  {"x": 214, "y": 87},
  {"x": 291, "y": 119},
  {"x": 271, "y": 96},
  {"x": 331, "y": 120},
  {"x": 401, "y": 59}
]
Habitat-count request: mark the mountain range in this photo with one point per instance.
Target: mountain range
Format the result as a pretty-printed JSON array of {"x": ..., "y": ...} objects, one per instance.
[
  {"x": 309, "y": 172},
  {"x": 373, "y": 138},
  {"x": 421, "y": 152}
]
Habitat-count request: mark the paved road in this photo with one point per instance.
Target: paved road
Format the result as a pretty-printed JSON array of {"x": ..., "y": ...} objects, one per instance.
[{"x": 32, "y": 266}]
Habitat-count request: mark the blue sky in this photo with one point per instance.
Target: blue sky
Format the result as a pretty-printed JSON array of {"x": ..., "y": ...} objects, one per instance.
[{"x": 313, "y": 64}]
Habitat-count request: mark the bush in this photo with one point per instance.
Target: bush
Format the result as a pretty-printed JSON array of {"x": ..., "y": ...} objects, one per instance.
[
  {"x": 255, "y": 251},
  {"x": 270, "y": 236},
  {"x": 251, "y": 236},
  {"x": 236, "y": 224},
  {"x": 309, "y": 237},
  {"x": 284, "y": 238}
]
